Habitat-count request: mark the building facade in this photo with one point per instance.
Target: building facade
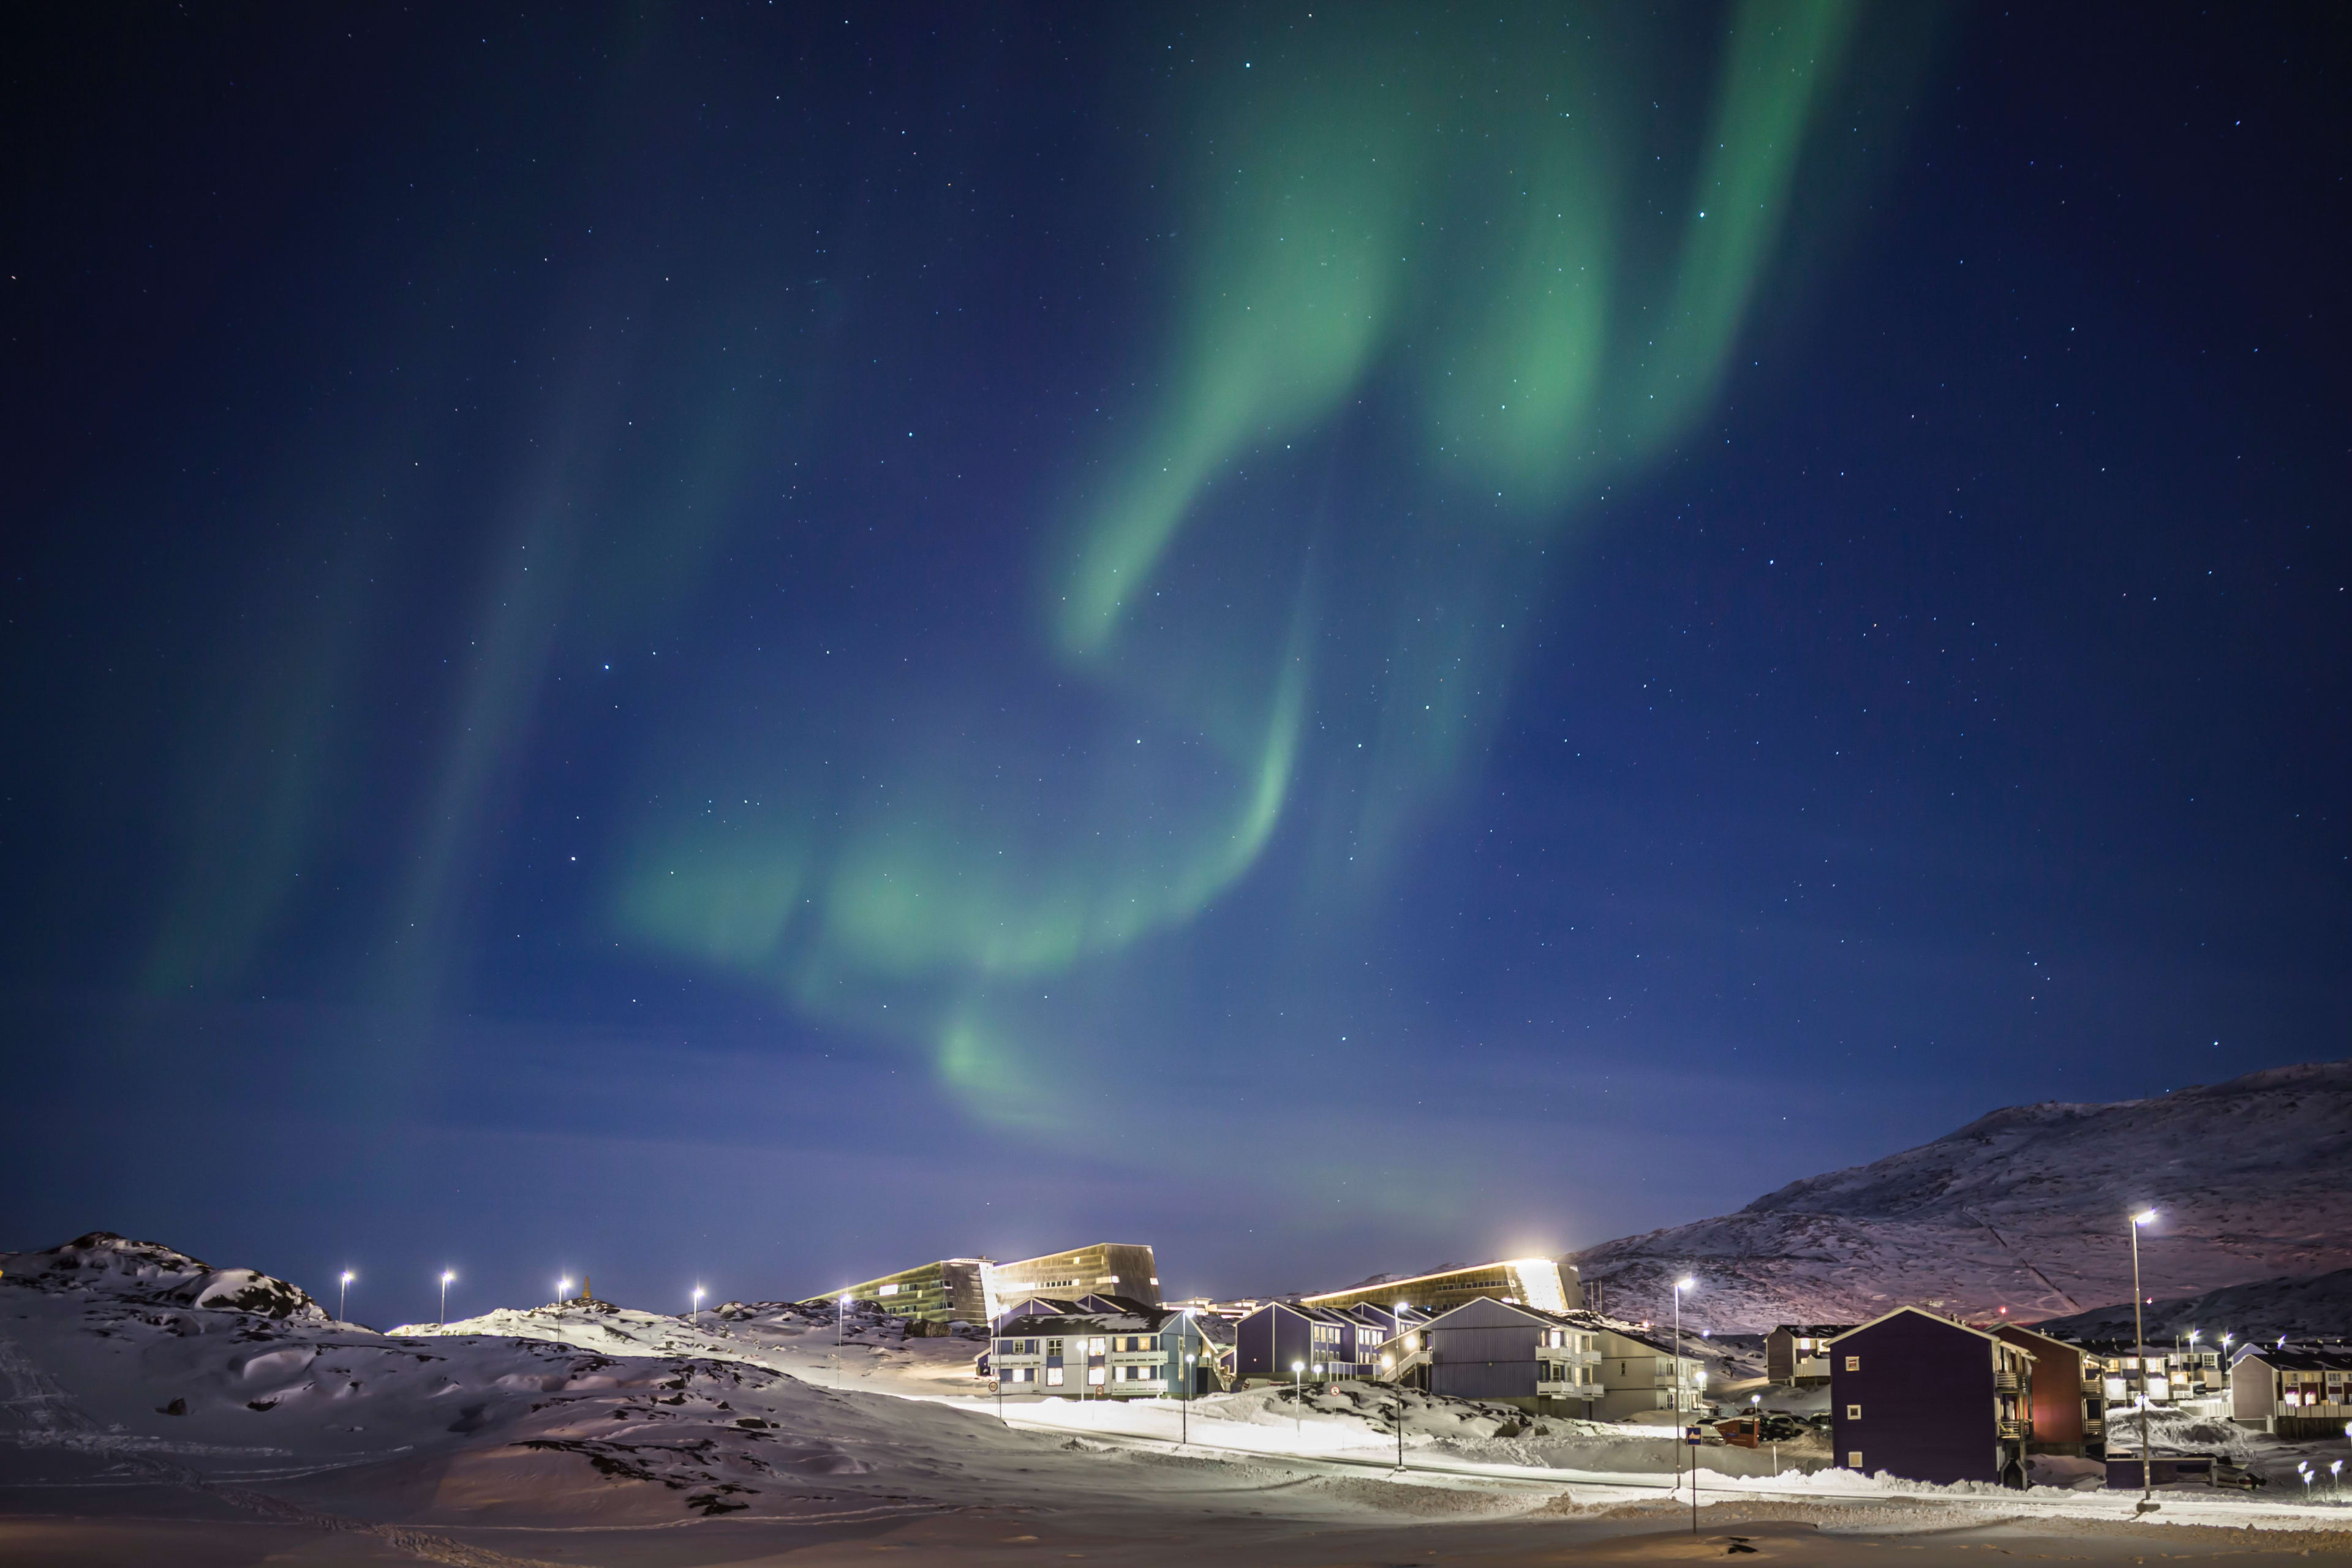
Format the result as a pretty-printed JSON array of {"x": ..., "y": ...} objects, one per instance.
[
  {"x": 977, "y": 1291},
  {"x": 1795, "y": 1354},
  {"x": 1104, "y": 1268},
  {"x": 1330, "y": 1346},
  {"x": 950, "y": 1289},
  {"x": 1507, "y": 1352},
  {"x": 1540, "y": 1282},
  {"x": 1640, "y": 1372},
  {"x": 2070, "y": 1393},
  {"x": 1927, "y": 1399},
  {"x": 1149, "y": 1355},
  {"x": 2294, "y": 1393}
]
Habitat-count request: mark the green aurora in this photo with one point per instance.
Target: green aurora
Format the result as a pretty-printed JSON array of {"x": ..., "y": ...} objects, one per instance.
[{"x": 1535, "y": 267}]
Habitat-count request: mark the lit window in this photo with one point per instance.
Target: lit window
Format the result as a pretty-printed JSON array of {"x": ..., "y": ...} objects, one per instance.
[
  {"x": 1052, "y": 1377},
  {"x": 1095, "y": 1346},
  {"x": 1854, "y": 1363},
  {"x": 1853, "y": 1458},
  {"x": 1095, "y": 1375}
]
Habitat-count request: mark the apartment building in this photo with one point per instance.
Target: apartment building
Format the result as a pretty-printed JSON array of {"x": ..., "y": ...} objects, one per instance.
[
  {"x": 1147, "y": 1355},
  {"x": 1920, "y": 1396}
]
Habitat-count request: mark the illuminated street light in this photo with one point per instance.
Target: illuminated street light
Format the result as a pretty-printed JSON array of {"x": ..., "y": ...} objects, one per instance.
[
  {"x": 343, "y": 1295},
  {"x": 447, "y": 1276},
  {"x": 1681, "y": 1285},
  {"x": 697, "y": 1306},
  {"x": 1298, "y": 1393},
  {"x": 2140, "y": 1354}
]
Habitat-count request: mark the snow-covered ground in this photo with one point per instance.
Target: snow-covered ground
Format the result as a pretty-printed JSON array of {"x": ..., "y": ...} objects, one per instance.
[{"x": 134, "y": 1397}]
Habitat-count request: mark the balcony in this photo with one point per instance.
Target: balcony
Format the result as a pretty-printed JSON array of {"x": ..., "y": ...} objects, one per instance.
[{"x": 2005, "y": 1383}]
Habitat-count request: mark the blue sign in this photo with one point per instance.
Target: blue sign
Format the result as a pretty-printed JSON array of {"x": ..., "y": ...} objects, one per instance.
[{"x": 1690, "y": 1436}]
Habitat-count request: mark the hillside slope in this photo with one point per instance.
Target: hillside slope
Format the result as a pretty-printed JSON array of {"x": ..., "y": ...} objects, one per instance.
[
  {"x": 2315, "y": 1307},
  {"x": 2025, "y": 1208}
]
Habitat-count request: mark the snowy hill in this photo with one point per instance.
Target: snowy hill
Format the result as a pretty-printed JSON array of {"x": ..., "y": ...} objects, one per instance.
[
  {"x": 143, "y": 1272},
  {"x": 125, "y": 1375},
  {"x": 2319, "y": 1307},
  {"x": 2026, "y": 1208}
]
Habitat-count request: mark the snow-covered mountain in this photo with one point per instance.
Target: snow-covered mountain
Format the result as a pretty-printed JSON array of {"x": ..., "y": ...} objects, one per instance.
[
  {"x": 2318, "y": 1307},
  {"x": 2026, "y": 1208}
]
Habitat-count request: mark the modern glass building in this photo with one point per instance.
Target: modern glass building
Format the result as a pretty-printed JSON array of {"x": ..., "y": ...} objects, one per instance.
[
  {"x": 1538, "y": 1283},
  {"x": 976, "y": 1291}
]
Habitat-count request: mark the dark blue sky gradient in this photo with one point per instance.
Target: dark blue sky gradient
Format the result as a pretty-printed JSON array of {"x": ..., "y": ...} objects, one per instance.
[{"x": 1951, "y": 714}]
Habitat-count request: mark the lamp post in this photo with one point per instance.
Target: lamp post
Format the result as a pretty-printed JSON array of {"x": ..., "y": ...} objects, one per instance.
[
  {"x": 343, "y": 1295},
  {"x": 1681, "y": 1285},
  {"x": 1299, "y": 1396},
  {"x": 1184, "y": 1411},
  {"x": 2336, "y": 1475},
  {"x": 840, "y": 1314},
  {"x": 2139, "y": 1353},
  {"x": 446, "y": 1275},
  {"x": 1400, "y": 1387},
  {"x": 696, "y": 1305},
  {"x": 562, "y": 1295}
]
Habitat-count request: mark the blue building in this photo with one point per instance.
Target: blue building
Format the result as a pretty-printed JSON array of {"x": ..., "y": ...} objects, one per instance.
[
  {"x": 1927, "y": 1399},
  {"x": 1327, "y": 1345}
]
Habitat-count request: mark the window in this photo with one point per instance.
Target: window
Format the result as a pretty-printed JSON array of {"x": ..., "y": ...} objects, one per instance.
[
  {"x": 1052, "y": 1347},
  {"x": 1052, "y": 1377},
  {"x": 889, "y": 1289},
  {"x": 1853, "y": 1412},
  {"x": 1853, "y": 1458},
  {"x": 1854, "y": 1363},
  {"x": 1095, "y": 1375},
  {"x": 1095, "y": 1345}
]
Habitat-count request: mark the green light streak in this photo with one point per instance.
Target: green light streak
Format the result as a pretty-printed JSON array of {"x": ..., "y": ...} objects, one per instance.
[{"x": 1462, "y": 288}]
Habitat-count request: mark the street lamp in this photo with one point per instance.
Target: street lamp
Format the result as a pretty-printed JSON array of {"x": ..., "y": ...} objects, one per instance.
[
  {"x": 1298, "y": 1393},
  {"x": 2139, "y": 1353},
  {"x": 1681, "y": 1285},
  {"x": 446, "y": 1275},
  {"x": 1184, "y": 1412},
  {"x": 840, "y": 1313},
  {"x": 697, "y": 1306},
  {"x": 343, "y": 1295},
  {"x": 2336, "y": 1474}
]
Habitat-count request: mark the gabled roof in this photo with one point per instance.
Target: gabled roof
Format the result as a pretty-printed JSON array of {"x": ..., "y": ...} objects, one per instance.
[
  {"x": 2006, "y": 1329},
  {"x": 1935, "y": 1318},
  {"x": 1489, "y": 1304},
  {"x": 1812, "y": 1330},
  {"x": 1153, "y": 1322},
  {"x": 2295, "y": 1359}
]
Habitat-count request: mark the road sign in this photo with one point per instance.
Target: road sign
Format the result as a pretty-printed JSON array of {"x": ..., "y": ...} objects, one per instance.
[{"x": 1690, "y": 1436}]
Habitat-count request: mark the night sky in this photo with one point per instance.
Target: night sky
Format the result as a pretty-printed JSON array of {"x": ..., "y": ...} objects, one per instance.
[{"x": 746, "y": 644}]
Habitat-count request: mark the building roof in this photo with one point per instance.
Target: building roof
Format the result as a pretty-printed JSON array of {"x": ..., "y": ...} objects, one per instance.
[
  {"x": 2006, "y": 1329},
  {"x": 2296, "y": 1359},
  {"x": 1935, "y": 1318},
  {"x": 1152, "y": 1323},
  {"x": 1812, "y": 1330}
]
